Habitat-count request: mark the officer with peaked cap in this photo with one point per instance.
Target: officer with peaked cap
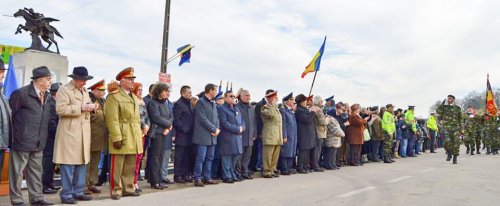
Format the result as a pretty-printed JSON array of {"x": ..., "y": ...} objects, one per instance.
[
  {"x": 289, "y": 148},
  {"x": 123, "y": 120},
  {"x": 99, "y": 135}
]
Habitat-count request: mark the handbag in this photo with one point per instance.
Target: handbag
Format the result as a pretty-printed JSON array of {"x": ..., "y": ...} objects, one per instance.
[{"x": 366, "y": 135}]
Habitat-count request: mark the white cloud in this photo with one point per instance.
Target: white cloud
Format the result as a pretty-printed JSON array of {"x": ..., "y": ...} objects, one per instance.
[{"x": 377, "y": 52}]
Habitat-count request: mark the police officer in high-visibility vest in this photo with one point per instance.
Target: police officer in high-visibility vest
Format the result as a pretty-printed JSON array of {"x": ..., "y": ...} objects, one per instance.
[
  {"x": 433, "y": 130},
  {"x": 389, "y": 128},
  {"x": 123, "y": 121},
  {"x": 411, "y": 131}
]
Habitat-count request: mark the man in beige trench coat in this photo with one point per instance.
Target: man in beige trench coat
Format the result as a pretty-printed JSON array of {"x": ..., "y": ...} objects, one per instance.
[{"x": 72, "y": 145}]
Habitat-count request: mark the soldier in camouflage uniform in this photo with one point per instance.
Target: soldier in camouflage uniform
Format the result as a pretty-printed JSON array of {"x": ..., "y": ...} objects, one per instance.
[
  {"x": 450, "y": 116},
  {"x": 472, "y": 125},
  {"x": 492, "y": 134},
  {"x": 490, "y": 128}
]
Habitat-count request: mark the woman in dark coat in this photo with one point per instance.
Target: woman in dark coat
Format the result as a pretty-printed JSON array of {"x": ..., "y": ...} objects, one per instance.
[
  {"x": 355, "y": 134},
  {"x": 161, "y": 125},
  {"x": 306, "y": 133}
]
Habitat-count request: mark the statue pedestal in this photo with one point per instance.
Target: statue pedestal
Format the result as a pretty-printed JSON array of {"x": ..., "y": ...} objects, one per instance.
[{"x": 26, "y": 61}]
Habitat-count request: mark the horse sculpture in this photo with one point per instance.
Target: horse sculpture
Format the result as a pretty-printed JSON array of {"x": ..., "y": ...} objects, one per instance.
[{"x": 39, "y": 26}]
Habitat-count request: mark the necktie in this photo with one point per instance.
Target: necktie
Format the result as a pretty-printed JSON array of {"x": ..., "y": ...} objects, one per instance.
[{"x": 41, "y": 97}]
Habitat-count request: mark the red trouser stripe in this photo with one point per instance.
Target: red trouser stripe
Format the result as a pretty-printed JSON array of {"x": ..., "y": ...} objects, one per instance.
[{"x": 111, "y": 175}]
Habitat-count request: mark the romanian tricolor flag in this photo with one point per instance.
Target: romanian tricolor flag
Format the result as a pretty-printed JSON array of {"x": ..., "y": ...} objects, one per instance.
[
  {"x": 491, "y": 106},
  {"x": 315, "y": 62}
]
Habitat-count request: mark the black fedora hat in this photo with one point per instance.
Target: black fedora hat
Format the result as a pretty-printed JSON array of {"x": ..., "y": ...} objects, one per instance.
[
  {"x": 42, "y": 71},
  {"x": 80, "y": 73},
  {"x": 54, "y": 87}
]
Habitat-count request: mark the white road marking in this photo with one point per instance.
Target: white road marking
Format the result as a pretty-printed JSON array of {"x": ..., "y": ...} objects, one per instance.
[
  {"x": 357, "y": 191},
  {"x": 399, "y": 179},
  {"x": 427, "y": 170}
]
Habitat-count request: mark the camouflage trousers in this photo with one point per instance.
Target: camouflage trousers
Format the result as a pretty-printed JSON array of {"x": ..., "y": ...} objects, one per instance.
[
  {"x": 495, "y": 140},
  {"x": 452, "y": 141},
  {"x": 387, "y": 144},
  {"x": 489, "y": 139},
  {"x": 472, "y": 140}
]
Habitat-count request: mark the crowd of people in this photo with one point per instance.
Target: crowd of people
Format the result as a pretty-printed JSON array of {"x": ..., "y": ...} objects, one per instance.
[{"x": 214, "y": 136}]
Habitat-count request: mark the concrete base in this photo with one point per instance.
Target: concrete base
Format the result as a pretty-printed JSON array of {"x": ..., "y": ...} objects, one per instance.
[{"x": 26, "y": 61}]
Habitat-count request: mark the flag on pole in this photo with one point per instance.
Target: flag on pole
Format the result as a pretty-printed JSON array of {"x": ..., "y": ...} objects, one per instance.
[
  {"x": 10, "y": 83},
  {"x": 491, "y": 106},
  {"x": 315, "y": 62},
  {"x": 185, "y": 52}
]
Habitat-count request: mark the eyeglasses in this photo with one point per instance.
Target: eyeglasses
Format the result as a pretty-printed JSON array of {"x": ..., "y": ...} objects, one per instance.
[{"x": 232, "y": 96}]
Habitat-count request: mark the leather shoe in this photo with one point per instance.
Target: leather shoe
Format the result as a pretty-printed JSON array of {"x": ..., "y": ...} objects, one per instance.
[
  {"x": 83, "y": 198},
  {"x": 48, "y": 190},
  {"x": 179, "y": 180},
  {"x": 267, "y": 176},
  {"x": 131, "y": 194},
  {"x": 115, "y": 197},
  {"x": 157, "y": 186},
  {"x": 41, "y": 203},
  {"x": 302, "y": 171},
  {"x": 67, "y": 202},
  {"x": 285, "y": 173},
  {"x": 198, "y": 183},
  {"x": 188, "y": 179},
  {"x": 55, "y": 187},
  {"x": 209, "y": 182},
  {"x": 167, "y": 181},
  {"x": 19, "y": 204},
  {"x": 319, "y": 169},
  {"x": 95, "y": 190},
  {"x": 230, "y": 181},
  {"x": 276, "y": 175},
  {"x": 248, "y": 177}
]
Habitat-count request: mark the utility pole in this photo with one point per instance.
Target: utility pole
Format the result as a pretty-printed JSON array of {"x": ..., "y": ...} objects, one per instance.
[{"x": 164, "y": 48}]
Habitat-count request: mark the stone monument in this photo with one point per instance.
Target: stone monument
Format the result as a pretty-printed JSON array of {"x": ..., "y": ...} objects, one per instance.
[{"x": 38, "y": 55}]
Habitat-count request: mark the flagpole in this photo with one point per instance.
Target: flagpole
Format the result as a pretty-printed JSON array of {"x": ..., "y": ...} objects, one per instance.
[
  {"x": 312, "y": 85},
  {"x": 164, "y": 48}
]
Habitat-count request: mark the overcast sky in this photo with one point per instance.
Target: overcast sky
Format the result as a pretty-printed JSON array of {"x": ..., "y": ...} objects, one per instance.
[{"x": 377, "y": 52}]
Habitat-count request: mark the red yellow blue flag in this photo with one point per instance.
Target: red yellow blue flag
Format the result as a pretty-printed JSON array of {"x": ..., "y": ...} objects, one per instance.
[
  {"x": 491, "y": 106},
  {"x": 315, "y": 62}
]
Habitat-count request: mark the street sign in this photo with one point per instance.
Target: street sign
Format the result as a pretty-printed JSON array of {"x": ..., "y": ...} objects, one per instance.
[{"x": 165, "y": 78}]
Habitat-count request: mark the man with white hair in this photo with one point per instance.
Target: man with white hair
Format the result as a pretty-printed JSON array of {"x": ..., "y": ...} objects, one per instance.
[
  {"x": 320, "y": 125},
  {"x": 249, "y": 134}
]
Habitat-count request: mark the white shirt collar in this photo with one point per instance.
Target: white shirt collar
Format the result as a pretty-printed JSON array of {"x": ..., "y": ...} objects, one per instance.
[{"x": 37, "y": 91}]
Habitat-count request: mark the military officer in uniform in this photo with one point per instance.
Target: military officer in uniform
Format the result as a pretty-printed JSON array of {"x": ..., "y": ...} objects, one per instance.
[
  {"x": 123, "y": 120},
  {"x": 98, "y": 135},
  {"x": 451, "y": 117},
  {"x": 272, "y": 135},
  {"x": 329, "y": 105},
  {"x": 289, "y": 148}
]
